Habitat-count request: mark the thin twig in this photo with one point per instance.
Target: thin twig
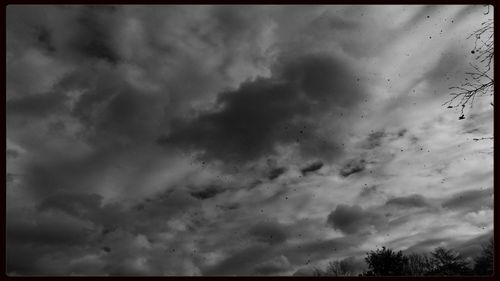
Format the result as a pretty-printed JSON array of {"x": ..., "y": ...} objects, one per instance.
[{"x": 486, "y": 138}]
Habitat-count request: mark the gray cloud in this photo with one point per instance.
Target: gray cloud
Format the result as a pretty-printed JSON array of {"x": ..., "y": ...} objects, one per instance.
[
  {"x": 90, "y": 89},
  {"x": 286, "y": 108},
  {"x": 269, "y": 232},
  {"x": 307, "y": 252},
  {"x": 311, "y": 167},
  {"x": 22, "y": 259},
  {"x": 369, "y": 191},
  {"x": 353, "y": 219},
  {"x": 472, "y": 247},
  {"x": 240, "y": 262},
  {"x": 207, "y": 192},
  {"x": 91, "y": 35},
  {"x": 352, "y": 167},
  {"x": 415, "y": 201},
  {"x": 48, "y": 229},
  {"x": 424, "y": 14},
  {"x": 171, "y": 202},
  {"x": 468, "y": 247},
  {"x": 276, "y": 172},
  {"x": 273, "y": 266},
  {"x": 37, "y": 105},
  {"x": 304, "y": 271},
  {"x": 75, "y": 204},
  {"x": 52, "y": 175},
  {"x": 12, "y": 153},
  {"x": 375, "y": 139},
  {"x": 113, "y": 111},
  {"x": 470, "y": 200},
  {"x": 426, "y": 245}
]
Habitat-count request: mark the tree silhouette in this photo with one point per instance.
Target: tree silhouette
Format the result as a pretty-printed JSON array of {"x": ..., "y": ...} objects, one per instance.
[
  {"x": 386, "y": 262},
  {"x": 483, "y": 264},
  {"x": 418, "y": 264},
  {"x": 440, "y": 262},
  {"x": 343, "y": 267},
  {"x": 318, "y": 272},
  {"x": 340, "y": 268},
  {"x": 479, "y": 81},
  {"x": 448, "y": 262}
]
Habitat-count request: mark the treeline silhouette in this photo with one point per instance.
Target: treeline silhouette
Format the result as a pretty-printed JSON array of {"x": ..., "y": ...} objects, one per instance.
[{"x": 440, "y": 262}]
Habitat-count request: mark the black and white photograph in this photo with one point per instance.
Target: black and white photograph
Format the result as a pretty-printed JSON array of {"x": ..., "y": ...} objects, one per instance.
[{"x": 249, "y": 140}]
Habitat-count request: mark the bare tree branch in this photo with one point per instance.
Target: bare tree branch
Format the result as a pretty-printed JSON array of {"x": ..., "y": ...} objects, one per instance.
[
  {"x": 479, "y": 81},
  {"x": 484, "y": 138}
]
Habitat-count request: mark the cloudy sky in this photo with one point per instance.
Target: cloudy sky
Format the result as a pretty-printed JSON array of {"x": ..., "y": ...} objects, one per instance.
[{"x": 245, "y": 140}]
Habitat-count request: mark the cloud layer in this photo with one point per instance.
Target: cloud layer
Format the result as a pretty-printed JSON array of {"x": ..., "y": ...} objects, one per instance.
[
  {"x": 289, "y": 107},
  {"x": 239, "y": 140}
]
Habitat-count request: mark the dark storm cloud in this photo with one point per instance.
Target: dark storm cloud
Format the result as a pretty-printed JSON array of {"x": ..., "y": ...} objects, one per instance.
[
  {"x": 112, "y": 110},
  {"x": 85, "y": 39},
  {"x": 12, "y": 154},
  {"x": 402, "y": 132},
  {"x": 44, "y": 38},
  {"x": 49, "y": 229},
  {"x": 207, "y": 192},
  {"x": 42, "y": 180},
  {"x": 269, "y": 232},
  {"x": 68, "y": 228},
  {"x": 229, "y": 207},
  {"x": 232, "y": 24},
  {"x": 88, "y": 207},
  {"x": 312, "y": 167},
  {"x": 36, "y": 105},
  {"x": 91, "y": 38},
  {"x": 471, "y": 200},
  {"x": 352, "y": 167},
  {"x": 74, "y": 33},
  {"x": 10, "y": 177},
  {"x": 374, "y": 139},
  {"x": 45, "y": 178},
  {"x": 96, "y": 85},
  {"x": 377, "y": 138},
  {"x": 112, "y": 216},
  {"x": 274, "y": 173},
  {"x": 414, "y": 200},
  {"x": 286, "y": 108},
  {"x": 75, "y": 204},
  {"x": 27, "y": 28},
  {"x": 171, "y": 202},
  {"x": 22, "y": 258},
  {"x": 353, "y": 219}
]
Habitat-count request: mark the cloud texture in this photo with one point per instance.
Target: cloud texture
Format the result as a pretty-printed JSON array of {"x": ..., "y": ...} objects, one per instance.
[{"x": 238, "y": 140}]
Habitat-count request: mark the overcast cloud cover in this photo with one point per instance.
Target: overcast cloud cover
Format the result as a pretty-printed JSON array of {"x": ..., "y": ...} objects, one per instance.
[{"x": 244, "y": 140}]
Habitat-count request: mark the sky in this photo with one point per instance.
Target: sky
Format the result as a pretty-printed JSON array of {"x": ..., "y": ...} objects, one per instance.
[{"x": 240, "y": 140}]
